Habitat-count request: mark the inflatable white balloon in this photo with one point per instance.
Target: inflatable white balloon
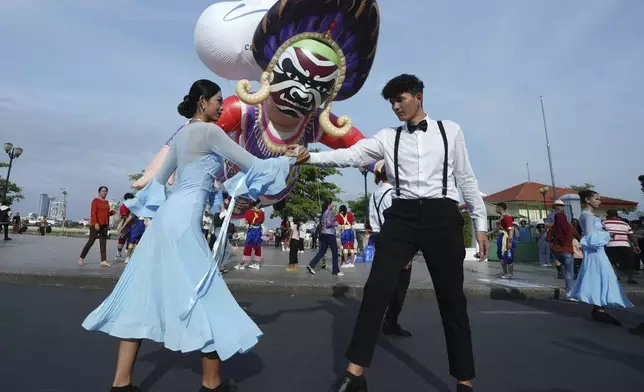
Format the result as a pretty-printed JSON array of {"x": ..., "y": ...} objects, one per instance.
[{"x": 224, "y": 35}]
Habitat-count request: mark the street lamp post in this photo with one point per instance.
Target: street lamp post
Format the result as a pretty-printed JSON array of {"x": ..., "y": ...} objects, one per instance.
[
  {"x": 13, "y": 152},
  {"x": 543, "y": 190},
  {"x": 64, "y": 192}
]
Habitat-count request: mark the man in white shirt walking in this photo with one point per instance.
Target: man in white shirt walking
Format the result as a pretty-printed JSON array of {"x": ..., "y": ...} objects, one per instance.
[{"x": 426, "y": 160}]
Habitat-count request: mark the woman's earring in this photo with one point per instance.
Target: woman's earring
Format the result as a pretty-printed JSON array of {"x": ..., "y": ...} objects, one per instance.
[{"x": 203, "y": 109}]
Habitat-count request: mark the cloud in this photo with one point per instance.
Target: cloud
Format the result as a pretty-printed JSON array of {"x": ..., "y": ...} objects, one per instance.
[{"x": 91, "y": 88}]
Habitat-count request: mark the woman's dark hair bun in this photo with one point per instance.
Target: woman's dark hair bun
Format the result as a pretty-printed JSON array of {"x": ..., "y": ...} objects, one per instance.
[
  {"x": 187, "y": 108},
  {"x": 201, "y": 88}
]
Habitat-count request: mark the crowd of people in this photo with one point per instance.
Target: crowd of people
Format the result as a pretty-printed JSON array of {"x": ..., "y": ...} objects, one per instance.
[
  {"x": 591, "y": 255},
  {"x": 18, "y": 225}
]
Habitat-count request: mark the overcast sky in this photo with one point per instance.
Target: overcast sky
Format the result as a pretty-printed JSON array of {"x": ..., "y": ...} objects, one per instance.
[{"x": 89, "y": 88}]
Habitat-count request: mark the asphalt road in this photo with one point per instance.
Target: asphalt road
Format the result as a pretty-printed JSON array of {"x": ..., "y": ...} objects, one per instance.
[{"x": 524, "y": 346}]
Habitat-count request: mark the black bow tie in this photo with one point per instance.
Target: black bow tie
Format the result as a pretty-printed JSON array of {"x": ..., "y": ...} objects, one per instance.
[{"x": 421, "y": 126}]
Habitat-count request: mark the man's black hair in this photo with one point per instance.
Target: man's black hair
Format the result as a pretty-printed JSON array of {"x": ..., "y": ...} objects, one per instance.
[
  {"x": 401, "y": 84},
  {"x": 503, "y": 206}
]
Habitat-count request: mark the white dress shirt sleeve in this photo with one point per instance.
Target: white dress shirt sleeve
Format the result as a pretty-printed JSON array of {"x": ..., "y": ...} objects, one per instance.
[
  {"x": 467, "y": 183},
  {"x": 361, "y": 154}
]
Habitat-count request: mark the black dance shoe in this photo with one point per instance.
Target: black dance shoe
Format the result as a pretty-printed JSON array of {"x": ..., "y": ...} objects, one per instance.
[
  {"x": 221, "y": 388},
  {"x": 127, "y": 388},
  {"x": 350, "y": 383},
  {"x": 395, "y": 330}
]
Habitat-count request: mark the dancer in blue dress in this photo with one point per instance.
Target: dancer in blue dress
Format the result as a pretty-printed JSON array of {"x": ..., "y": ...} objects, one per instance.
[
  {"x": 172, "y": 290},
  {"x": 597, "y": 283}
]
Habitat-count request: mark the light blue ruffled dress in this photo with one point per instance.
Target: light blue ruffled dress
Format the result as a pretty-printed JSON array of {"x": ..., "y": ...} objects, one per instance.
[
  {"x": 597, "y": 283},
  {"x": 172, "y": 291}
]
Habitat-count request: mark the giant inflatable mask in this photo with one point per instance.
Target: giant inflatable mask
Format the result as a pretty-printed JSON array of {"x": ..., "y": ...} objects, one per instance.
[{"x": 305, "y": 54}]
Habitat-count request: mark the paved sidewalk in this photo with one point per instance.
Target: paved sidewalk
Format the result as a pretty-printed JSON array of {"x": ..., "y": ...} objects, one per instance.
[{"x": 52, "y": 260}]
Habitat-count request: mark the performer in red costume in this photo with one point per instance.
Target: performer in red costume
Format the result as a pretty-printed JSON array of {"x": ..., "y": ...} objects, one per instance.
[
  {"x": 347, "y": 237},
  {"x": 254, "y": 218},
  {"x": 313, "y": 53}
]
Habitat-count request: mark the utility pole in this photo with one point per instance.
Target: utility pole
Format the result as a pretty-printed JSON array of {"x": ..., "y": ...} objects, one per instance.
[
  {"x": 527, "y": 165},
  {"x": 552, "y": 173}
]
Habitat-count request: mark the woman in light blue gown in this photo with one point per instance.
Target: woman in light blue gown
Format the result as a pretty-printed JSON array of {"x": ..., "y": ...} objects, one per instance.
[
  {"x": 597, "y": 283},
  {"x": 172, "y": 291}
]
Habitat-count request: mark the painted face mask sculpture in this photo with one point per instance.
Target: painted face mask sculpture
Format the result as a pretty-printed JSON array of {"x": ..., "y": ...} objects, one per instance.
[
  {"x": 303, "y": 79},
  {"x": 307, "y": 54}
]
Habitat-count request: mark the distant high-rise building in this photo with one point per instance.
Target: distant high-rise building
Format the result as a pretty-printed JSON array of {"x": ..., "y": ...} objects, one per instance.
[
  {"x": 57, "y": 210},
  {"x": 43, "y": 204}
]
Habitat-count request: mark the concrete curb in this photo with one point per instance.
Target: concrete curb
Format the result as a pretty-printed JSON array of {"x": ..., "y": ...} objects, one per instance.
[{"x": 339, "y": 290}]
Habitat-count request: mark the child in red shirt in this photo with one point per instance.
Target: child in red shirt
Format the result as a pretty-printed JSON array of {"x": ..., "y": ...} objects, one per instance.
[
  {"x": 347, "y": 237},
  {"x": 124, "y": 212},
  {"x": 254, "y": 218},
  {"x": 506, "y": 242}
]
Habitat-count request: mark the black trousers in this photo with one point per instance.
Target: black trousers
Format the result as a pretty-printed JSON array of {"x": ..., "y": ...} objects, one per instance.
[
  {"x": 212, "y": 240},
  {"x": 434, "y": 226},
  {"x": 102, "y": 241},
  {"x": 398, "y": 299},
  {"x": 621, "y": 256},
  {"x": 292, "y": 253}
]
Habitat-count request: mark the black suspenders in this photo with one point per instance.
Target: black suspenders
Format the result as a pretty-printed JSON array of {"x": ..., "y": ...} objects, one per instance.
[
  {"x": 444, "y": 135},
  {"x": 396, "y": 144},
  {"x": 445, "y": 161},
  {"x": 379, "y": 204}
]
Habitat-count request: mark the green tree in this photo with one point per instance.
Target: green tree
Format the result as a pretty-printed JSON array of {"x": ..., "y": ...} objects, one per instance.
[
  {"x": 310, "y": 190},
  {"x": 14, "y": 192},
  {"x": 585, "y": 186},
  {"x": 359, "y": 207},
  {"x": 467, "y": 229},
  {"x": 135, "y": 177}
]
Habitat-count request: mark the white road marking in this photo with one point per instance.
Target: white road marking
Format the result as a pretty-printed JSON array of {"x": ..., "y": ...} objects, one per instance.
[
  {"x": 515, "y": 312},
  {"x": 515, "y": 283}
]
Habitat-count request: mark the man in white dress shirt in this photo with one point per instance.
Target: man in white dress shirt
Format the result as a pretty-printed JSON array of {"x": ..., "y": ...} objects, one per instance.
[
  {"x": 380, "y": 201},
  {"x": 425, "y": 160}
]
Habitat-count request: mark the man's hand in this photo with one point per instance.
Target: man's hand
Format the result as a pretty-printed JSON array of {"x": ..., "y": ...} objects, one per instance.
[
  {"x": 301, "y": 153},
  {"x": 484, "y": 246},
  {"x": 97, "y": 227}
]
